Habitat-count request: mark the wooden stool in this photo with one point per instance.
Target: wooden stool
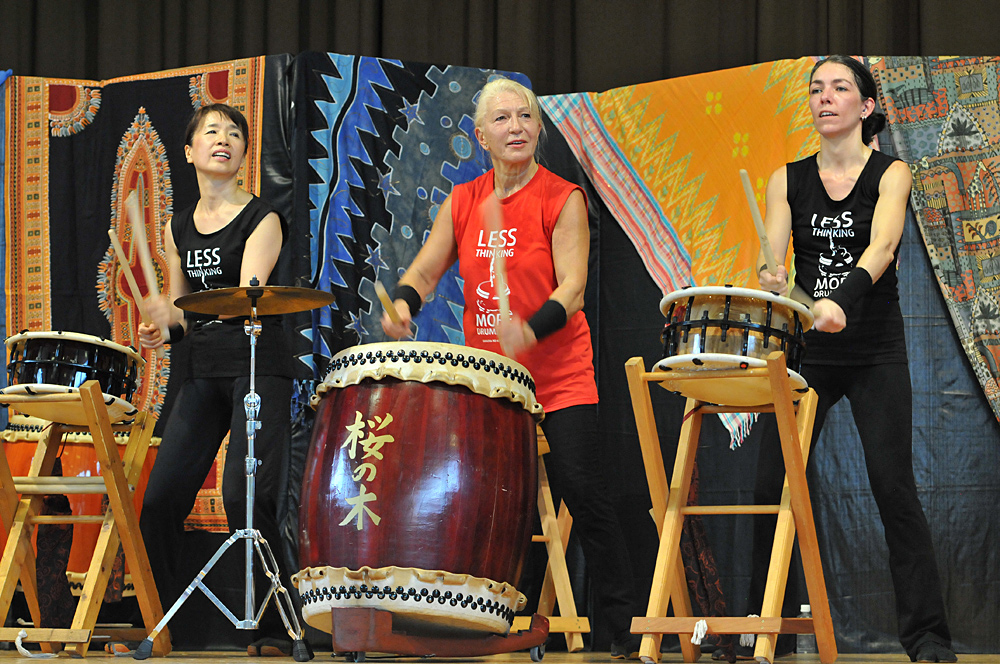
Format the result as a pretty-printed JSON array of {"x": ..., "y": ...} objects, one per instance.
[
  {"x": 120, "y": 525},
  {"x": 556, "y": 588},
  {"x": 795, "y": 424}
]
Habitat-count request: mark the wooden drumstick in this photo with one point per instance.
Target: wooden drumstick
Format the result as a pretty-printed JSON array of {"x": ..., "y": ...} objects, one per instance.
[
  {"x": 387, "y": 303},
  {"x": 135, "y": 212},
  {"x": 796, "y": 293},
  {"x": 493, "y": 220},
  {"x": 500, "y": 281},
  {"x": 137, "y": 219},
  {"x": 134, "y": 287}
]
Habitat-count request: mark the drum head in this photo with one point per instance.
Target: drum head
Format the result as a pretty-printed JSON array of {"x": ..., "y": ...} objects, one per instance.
[
  {"x": 705, "y": 293},
  {"x": 724, "y": 391},
  {"x": 65, "y": 412},
  {"x": 481, "y": 371}
]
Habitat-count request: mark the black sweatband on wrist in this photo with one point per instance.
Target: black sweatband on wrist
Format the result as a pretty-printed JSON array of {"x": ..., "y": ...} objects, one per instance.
[
  {"x": 852, "y": 289},
  {"x": 409, "y": 295},
  {"x": 550, "y": 317},
  {"x": 176, "y": 332}
]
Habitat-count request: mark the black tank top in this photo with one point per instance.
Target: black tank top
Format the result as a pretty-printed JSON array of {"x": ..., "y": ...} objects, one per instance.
[
  {"x": 829, "y": 237},
  {"x": 211, "y": 261}
]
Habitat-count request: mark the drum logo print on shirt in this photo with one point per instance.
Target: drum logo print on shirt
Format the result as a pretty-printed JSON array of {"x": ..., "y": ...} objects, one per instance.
[
  {"x": 836, "y": 263},
  {"x": 489, "y": 244},
  {"x": 371, "y": 446}
]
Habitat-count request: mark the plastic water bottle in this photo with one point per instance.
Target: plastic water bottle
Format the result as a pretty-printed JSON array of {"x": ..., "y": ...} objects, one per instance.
[{"x": 805, "y": 643}]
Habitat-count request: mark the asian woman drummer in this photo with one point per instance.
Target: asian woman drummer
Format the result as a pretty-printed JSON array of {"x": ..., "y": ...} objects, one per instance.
[{"x": 224, "y": 240}]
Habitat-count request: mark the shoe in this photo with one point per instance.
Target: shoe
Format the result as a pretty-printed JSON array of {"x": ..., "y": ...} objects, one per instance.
[
  {"x": 627, "y": 647},
  {"x": 270, "y": 647},
  {"x": 727, "y": 654},
  {"x": 932, "y": 651},
  {"x": 117, "y": 649},
  {"x": 736, "y": 653}
]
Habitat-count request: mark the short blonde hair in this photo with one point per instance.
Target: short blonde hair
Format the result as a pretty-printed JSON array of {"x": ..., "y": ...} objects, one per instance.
[{"x": 500, "y": 85}]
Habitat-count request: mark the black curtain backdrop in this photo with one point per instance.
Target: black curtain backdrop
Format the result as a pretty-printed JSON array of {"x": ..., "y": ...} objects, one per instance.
[{"x": 562, "y": 45}]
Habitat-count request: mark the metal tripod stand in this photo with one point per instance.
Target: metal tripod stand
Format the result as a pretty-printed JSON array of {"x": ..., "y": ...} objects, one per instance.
[{"x": 301, "y": 651}]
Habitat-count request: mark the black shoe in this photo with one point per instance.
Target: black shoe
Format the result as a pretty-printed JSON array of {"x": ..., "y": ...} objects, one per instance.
[
  {"x": 626, "y": 647},
  {"x": 736, "y": 653},
  {"x": 932, "y": 651},
  {"x": 724, "y": 654}
]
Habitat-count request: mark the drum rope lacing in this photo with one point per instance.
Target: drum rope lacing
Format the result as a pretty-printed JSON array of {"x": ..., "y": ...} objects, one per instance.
[
  {"x": 404, "y": 594},
  {"x": 790, "y": 343},
  {"x": 467, "y": 361}
]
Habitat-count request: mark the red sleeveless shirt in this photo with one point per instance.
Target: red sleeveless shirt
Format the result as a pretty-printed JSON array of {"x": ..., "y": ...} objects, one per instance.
[{"x": 562, "y": 364}]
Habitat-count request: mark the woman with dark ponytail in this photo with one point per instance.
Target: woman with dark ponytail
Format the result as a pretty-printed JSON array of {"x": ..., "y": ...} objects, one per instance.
[{"x": 844, "y": 209}]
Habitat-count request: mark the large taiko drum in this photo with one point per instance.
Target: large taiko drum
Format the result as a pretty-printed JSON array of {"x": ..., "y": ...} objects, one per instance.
[
  {"x": 78, "y": 459},
  {"x": 419, "y": 488},
  {"x": 716, "y": 328},
  {"x": 42, "y": 363}
]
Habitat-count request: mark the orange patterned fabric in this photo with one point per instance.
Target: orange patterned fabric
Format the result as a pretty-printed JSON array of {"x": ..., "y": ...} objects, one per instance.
[{"x": 665, "y": 157}]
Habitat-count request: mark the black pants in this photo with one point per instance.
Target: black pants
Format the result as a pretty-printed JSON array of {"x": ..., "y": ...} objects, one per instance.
[
  {"x": 882, "y": 405},
  {"x": 576, "y": 473},
  {"x": 205, "y": 409}
]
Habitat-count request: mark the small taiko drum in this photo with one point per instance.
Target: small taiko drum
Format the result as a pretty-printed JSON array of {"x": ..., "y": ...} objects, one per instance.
[
  {"x": 41, "y": 363},
  {"x": 419, "y": 488},
  {"x": 715, "y": 328},
  {"x": 78, "y": 459}
]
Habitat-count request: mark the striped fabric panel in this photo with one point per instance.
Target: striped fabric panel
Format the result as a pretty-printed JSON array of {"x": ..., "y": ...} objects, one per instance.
[
  {"x": 622, "y": 190},
  {"x": 633, "y": 206}
]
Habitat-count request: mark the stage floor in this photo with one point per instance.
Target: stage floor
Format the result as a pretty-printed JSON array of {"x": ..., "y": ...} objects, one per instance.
[{"x": 227, "y": 657}]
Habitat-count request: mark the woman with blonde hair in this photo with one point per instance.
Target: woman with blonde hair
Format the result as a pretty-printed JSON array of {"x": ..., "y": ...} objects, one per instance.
[{"x": 546, "y": 243}]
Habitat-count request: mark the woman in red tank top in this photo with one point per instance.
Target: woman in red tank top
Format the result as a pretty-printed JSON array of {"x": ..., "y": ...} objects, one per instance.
[{"x": 538, "y": 222}]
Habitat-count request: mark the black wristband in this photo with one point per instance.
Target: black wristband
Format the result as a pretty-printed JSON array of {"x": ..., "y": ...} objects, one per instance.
[
  {"x": 852, "y": 289},
  {"x": 409, "y": 295},
  {"x": 550, "y": 317},
  {"x": 176, "y": 332}
]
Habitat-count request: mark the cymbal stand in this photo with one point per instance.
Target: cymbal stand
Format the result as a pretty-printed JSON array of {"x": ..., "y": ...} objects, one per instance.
[{"x": 301, "y": 651}]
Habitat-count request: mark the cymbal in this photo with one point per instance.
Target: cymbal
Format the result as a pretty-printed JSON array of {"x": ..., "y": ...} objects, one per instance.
[{"x": 270, "y": 300}]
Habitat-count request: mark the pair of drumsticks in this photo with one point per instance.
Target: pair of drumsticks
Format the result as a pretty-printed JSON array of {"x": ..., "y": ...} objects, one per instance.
[
  {"x": 796, "y": 293},
  {"x": 493, "y": 220},
  {"x": 137, "y": 221}
]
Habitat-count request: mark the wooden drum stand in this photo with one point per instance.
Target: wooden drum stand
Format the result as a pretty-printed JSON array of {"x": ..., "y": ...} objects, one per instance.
[
  {"x": 795, "y": 424},
  {"x": 21, "y": 501}
]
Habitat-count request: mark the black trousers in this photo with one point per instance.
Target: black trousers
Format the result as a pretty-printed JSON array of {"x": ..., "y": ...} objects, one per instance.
[
  {"x": 881, "y": 403},
  {"x": 205, "y": 409},
  {"x": 576, "y": 473}
]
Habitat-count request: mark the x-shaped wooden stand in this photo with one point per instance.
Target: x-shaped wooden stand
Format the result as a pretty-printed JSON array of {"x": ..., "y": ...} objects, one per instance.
[
  {"x": 21, "y": 501},
  {"x": 795, "y": 424}
]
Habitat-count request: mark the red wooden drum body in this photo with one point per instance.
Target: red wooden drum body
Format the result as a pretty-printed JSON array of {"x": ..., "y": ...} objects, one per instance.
[
  {"x": 715, "y": 328},
  {"x": 419, "y": 488}
]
